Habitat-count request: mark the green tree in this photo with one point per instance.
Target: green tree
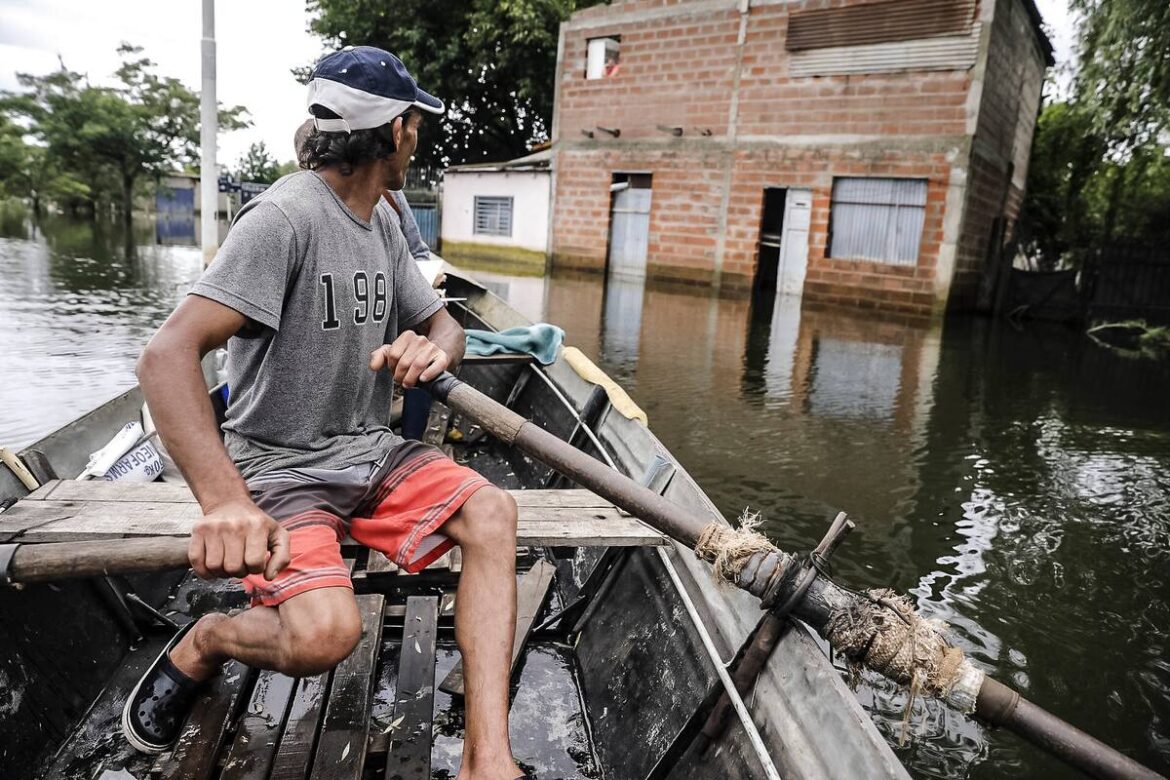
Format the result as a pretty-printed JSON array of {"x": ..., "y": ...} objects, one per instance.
[
  {"x": 492, "y": 61},
  {"x": 1123, "y": 86},
  {"x": 1099, "y": 174},
  {"x": 107, "y": 140},
  {"x": 285, "y": 168},
  {"x": 14, "y": 152},
  {"x": 258, "y": 165}
]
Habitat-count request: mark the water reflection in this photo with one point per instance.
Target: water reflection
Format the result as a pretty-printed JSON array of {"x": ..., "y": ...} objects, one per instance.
[
  {"x": 1017, "y": 483},
  {"x": 75, "y": 312}
]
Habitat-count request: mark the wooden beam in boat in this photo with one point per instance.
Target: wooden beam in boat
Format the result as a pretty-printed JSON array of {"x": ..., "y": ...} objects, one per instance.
[
  {"x": 300, "y": 730},
  {"x": 196, "y": 754},
  {"x": 531, "y": 593},
  {"x": 251, "y": 755},
  {"x": 379, "y": 563},
  {"x": 411, "y": 723},
  {"x": 70, "y": 511},
  {"x": 175, "y": 493},
  {"x": 341, "y": 749}
]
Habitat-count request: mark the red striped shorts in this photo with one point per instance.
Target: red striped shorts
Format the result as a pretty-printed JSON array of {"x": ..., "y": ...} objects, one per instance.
[{"x": 397, "y": 508}]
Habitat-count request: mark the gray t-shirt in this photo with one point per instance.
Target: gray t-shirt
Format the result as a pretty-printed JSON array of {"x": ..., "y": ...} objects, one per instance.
[{"x": 322, "y": 289}]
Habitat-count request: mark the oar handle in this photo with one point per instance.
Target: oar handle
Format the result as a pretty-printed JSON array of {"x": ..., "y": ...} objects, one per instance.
[{"x": 72, "y": 560}]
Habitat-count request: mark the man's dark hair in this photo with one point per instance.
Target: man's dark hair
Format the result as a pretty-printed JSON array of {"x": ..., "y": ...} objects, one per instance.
[{"x": 345, "y": 151}]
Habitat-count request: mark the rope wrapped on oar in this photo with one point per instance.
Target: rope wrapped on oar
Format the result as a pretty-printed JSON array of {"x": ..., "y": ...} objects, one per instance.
[{"x": 878, "y": 629}]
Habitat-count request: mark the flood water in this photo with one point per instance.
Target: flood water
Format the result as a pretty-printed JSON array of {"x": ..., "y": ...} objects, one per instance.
[{"x": 1016, "y": 481}]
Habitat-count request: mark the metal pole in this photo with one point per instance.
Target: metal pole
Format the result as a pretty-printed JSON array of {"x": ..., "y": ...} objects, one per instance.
[{"x": 208, "y": 130}]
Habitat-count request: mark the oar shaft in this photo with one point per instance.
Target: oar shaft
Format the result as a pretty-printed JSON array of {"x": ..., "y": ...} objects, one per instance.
[
  {"x": 526, "y": 436},
  {"x": 71, "y": 560},
  {"x": 999, "y": 705}
]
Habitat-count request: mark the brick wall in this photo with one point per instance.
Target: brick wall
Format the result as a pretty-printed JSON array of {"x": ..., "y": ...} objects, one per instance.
[
  {"x": 679, "y": 65},
  {"x": 1000, "y": 150},
  {"x": 685, "y": 217},
  {"x": 680, "y": 71}
]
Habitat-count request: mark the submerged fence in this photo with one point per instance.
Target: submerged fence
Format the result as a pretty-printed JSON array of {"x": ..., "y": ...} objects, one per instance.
[
  {"x": 1117, "y": 283},
  {"x": 1125, "y": 283}
]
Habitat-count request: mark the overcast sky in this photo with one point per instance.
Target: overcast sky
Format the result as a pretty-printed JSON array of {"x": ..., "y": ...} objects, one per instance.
[{"x": 258, "y": 42}]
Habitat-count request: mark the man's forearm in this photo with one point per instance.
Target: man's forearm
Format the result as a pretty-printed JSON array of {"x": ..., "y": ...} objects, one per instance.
[
  {"x": 173, "y": 385},
  {"x": 448, "y": 335}
]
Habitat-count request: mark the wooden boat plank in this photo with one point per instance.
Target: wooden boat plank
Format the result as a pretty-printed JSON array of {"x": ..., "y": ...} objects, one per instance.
[
  {"x": 44, "y": 491},
  {"x": 300, "y": 730},
  {"x": 258, "y": 734},
  {"x": 409, "y": 757},
  {"x": 195, "y": 756},
  {"x": 64, "y": 521},
  {"x": 169, "y": 492},
  {"x": 341, "y": 749},
  {"x": 379, "y": 562},
  {"x": 531, "y": 593}
]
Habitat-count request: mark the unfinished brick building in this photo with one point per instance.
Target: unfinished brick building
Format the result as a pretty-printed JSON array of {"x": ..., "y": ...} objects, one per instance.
[{"x": 860, "y": 153}]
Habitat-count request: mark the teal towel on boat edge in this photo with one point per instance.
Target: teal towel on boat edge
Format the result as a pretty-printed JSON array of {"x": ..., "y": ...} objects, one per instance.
[{"x": 540, "y": 340}]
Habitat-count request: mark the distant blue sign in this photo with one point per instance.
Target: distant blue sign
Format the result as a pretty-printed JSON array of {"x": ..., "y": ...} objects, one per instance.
[
  {"x": 249, "y": 190},
  {"x": 227, "y": 185}
]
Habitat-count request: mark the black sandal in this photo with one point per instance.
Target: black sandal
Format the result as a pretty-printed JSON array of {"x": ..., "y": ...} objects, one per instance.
[{"x": 154, "y": 712}]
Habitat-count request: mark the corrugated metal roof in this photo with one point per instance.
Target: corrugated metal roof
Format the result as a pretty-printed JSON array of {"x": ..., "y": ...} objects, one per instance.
[
  {"x": 881, "y": 22},
  {"x": 953, "y": 53},
  {"x": 535, "y": 161}
]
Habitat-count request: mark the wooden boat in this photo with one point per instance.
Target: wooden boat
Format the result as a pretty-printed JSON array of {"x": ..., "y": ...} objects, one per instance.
[{"x": 619, "y": 641}]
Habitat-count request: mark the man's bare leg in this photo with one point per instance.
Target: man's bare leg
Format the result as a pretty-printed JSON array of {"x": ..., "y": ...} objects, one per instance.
[
  {"x": 485, "y": 623},
  {"x": 308, "y": 634}
]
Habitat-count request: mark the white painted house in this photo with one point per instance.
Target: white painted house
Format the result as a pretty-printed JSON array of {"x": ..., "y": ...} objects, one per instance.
[{"x": 498, "y": 210}]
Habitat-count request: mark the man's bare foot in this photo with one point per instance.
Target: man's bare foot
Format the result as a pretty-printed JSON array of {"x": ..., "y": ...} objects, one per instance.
[{"x": 192, "y": 656}]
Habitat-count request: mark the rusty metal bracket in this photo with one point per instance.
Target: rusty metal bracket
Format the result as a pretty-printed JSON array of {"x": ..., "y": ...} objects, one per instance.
[{"x": 814, "y": 565}]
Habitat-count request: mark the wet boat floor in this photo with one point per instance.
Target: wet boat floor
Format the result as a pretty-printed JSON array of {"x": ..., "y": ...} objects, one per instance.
[{"x": 344, "y": 724}]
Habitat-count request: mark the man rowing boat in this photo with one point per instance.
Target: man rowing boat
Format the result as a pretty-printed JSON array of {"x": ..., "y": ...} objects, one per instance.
[{"x": 323, "y": 308}]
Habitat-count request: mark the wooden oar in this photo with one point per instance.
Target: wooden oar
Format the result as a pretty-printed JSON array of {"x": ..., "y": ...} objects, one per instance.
[{"x": 28, "y": 563}]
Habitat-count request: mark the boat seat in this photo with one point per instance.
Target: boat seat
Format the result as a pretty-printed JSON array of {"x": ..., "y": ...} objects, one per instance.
[{"x": 70, "y": 511}]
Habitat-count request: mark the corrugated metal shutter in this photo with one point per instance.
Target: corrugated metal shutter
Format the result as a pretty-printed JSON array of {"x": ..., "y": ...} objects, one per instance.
[
  {"x": 427, "y": 217},
  {"x": 883, "y": 22},
  {"x": 493, "y": 215},
  {"x": 877, "y": 219},
  {"x": 953, "y": 53}
]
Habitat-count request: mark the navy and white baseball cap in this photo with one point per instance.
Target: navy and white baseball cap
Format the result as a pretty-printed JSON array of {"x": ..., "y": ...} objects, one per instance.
[{"x": 366, "y": 87}]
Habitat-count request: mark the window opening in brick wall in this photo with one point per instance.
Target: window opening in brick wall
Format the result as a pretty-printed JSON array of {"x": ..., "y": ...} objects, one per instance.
[
  {"x": 493, "y": 215},
  {"x": 877, "y": 219},
  {"x": 771, "y": 231},
  {"x": 603, "y": 57}
]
